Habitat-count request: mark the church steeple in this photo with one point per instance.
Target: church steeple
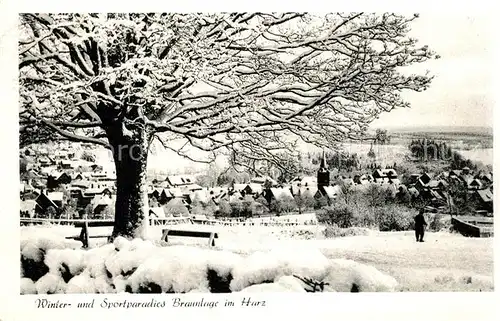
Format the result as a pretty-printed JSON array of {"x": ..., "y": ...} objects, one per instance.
[
  {"x": 323, "y": 174},
  {"x": 323, "y": 161}
]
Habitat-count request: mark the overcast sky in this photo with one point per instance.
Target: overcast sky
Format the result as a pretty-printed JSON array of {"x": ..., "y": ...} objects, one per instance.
[{"x": 461, "y": 93}]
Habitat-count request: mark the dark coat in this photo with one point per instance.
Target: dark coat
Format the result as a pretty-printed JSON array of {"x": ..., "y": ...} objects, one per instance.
[{"x": 420, "y": 221}]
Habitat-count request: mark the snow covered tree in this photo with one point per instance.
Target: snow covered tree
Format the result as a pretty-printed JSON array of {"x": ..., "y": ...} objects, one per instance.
[
  {"x": 236, "y": 207},
  {"x": 224, "y": 208},
  {"x": 249, "y": 84},
  {"x": 197, "y": 208},
  {"x": 175, "y": 208},
  {"x": 51, "y": 212},
  {"x": 381, "y": 137},
  {"x": 320, "y": 202},
  {"x": 89, "y": 211}
]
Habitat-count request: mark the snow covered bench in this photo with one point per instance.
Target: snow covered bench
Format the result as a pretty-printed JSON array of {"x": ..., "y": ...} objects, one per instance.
[
  {"x": 210, "y": 235},
  {"x": 85, "y": 234}
]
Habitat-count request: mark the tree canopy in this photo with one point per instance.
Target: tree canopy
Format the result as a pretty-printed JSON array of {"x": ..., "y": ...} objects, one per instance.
[{"x": 214, "y": 80}]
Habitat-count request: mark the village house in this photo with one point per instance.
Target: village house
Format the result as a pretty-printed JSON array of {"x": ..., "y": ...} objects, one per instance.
[
  {"x": 45, "y": 161},
  {"x": 330, "y": 192},
  {"x": 261, "y": 180},
  {"x": 76, "y": 177},
  {"x": 253, "y": 189},
  {"x": 46, "y": 171},
  {"x": 157, "y": 212},
  {"x": 201, "y": 196},
  {"x": 278, "y": 194},
  {"x": 238, "y": 188},
  {"x": 305, "y": 181},
  {"x": 102, "y": 202},
  {"x": 188, "y": 189},
  {"x": 395, "y": 181},
  {"x": 180, "y": 180},
  {"x": 158, "y": 194},
  {"x": 383, "y": 176},
  {"x": 484, "y": 199},
  {"x": 303, "y": 190},
  {"x": 84, "y": 197},
  {"x": 234, "y": 196},
  {"x": 56, "y": 179},
  {"x": 216, "y": 191},
  {"x": 46, "y": 200},
  {"x": 485, "y": 178},
  {"x": 474, "y": 184},
  {"x": 363, "y": 179}
]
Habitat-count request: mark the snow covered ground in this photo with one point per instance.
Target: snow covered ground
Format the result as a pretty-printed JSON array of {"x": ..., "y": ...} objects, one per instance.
[{"x": 445, "y": 262}]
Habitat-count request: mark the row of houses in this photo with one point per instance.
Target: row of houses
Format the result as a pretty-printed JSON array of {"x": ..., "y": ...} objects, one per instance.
[
  {"x": 55, "y": 178},
  {"x": 478, "y": 187},
  {"x": 95, "y": 189}
]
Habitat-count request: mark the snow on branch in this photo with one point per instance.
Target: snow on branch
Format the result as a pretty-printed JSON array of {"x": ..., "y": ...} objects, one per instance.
[{"x": 234, "y": 81}]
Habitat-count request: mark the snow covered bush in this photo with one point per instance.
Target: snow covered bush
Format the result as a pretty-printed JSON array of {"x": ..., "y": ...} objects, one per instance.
[
  {"x": 174, "y": 269},
  {"x": 128, "y": 256},
  {"x": 266, "y": 267},
  {"x": 28, "y": 286},
  {"x": 66, "y": 263},
  {"x": 50, "y": 284},
  {"x": 283, "y": 284},
  {"x": 34, "y": 246},
  {"x": 335, "y": 231},
  {"x": 395, "y": 218},
  {"x": 349, "y": 276}
]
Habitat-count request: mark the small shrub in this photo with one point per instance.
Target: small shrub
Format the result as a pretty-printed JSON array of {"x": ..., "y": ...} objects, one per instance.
[
  {"x": 335, "y": 231},
  {"x": 340, "y": 215},
  {"x": 439, "y": 222},
  {"x": 394, "y": 218}
]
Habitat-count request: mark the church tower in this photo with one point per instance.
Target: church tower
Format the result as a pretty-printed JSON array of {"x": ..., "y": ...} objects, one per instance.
[{"x": 323, "y": 174}]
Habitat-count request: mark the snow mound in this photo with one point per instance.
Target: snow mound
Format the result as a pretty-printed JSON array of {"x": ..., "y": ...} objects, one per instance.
[
  {"x": 94, "y": 260},
  {"x": 31, "y": 251},
  {"x": 81, "y": 283},
  {"x": 120, "y": 283},
  {"x": 35, "y": 243},
  {"x": 28, "y": 286},
  {"x": 261, "y": 267},
  {"x": 45, "y": 240},
  {"x": 50, "y": 284},
  {"x": 177, "y": 269},
  {"x": 350, "y": 276},
  {"x": 222, "y": 262},
  {"x": 66, "y": 262},
  {"x": 285, "y": 283},
  {"x": 121, "y": 243},
  {"x": 102, "y": 285},
  {"x": 291, "y": 283},
  {"x": 128, "y": 256}
]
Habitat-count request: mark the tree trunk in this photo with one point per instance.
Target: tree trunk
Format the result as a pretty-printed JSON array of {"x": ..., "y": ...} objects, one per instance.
[{"x": 130, "y": 154}]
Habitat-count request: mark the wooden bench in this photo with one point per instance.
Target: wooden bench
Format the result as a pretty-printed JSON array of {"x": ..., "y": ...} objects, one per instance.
[
  {"x": 85, "y": 234},
  {"x": 210, "y": 235}
]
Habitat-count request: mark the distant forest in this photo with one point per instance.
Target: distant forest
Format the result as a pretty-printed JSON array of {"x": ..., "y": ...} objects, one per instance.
[{"x": 432, "y": 150}]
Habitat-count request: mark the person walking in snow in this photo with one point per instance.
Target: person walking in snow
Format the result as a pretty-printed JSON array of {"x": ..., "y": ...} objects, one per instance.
[{"x": 420, "y": 225}]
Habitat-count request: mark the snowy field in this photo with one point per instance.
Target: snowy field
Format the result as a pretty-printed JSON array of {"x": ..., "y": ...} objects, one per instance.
[
  {"x": 445, "y": 262},
  {"x": 483, "y": 155}
]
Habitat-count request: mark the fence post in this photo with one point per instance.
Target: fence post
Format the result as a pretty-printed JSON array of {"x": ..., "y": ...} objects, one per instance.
[{"x": 85, "y": 231}]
